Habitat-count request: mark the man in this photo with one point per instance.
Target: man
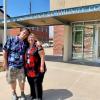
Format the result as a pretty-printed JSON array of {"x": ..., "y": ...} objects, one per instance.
[{"x": 13, "y": 53}]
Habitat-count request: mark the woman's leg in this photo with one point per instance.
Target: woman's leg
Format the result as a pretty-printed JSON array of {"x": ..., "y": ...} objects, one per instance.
[
  {"x": 32, "y": 87},
  {"x": 39, "y": 86}
]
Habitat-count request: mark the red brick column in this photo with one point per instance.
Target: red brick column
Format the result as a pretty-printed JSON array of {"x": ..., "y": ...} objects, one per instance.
[{"x": 58, "y": 40}]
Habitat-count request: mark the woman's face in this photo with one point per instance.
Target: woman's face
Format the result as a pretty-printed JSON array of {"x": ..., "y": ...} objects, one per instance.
[{"x": 31, "y": 38}]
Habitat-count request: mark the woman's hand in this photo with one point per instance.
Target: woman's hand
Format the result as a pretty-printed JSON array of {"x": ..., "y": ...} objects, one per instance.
[
  {"x": 5, "y": 66},
  {"x": 41, "y": 69}
]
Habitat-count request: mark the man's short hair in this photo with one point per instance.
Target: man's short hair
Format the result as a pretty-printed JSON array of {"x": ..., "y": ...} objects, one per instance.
[{"x": 25, "y": 28}]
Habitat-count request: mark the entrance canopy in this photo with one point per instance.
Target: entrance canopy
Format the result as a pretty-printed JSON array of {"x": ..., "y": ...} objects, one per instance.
[{"x": 56, "y": 17}]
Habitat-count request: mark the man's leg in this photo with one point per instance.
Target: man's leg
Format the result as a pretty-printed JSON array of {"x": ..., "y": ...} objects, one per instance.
[
  {"x": 11, "y": 79},
  {"x": 14, "y": 95},
  {"x": 13, "y": 86},
  {"x": 21, "y": 80},
  {"x": 22, "y": 85}
]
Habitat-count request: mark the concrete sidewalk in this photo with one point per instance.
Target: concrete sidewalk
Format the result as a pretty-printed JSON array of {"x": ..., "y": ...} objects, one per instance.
[{"x": 63, "y": 81}]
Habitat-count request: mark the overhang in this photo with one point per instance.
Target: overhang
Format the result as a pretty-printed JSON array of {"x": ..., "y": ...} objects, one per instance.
[{"x": 56, "y": 17}]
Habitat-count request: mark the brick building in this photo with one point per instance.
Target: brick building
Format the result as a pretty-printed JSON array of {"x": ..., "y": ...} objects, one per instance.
[
  {"x": 42, "y": 32},
  {"x": 58, "y": 40},
  {"x": 80, "y": 37},
  {"x": 1, "y": 30}
]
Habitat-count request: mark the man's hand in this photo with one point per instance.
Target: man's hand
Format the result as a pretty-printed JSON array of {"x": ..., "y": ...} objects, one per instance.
[
  {"x": 5, "y": 56},
  {"x": 5, "y": 66}
]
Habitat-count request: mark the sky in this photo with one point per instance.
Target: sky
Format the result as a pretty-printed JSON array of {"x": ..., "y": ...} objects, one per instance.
[{"x": 21, "y": 7}]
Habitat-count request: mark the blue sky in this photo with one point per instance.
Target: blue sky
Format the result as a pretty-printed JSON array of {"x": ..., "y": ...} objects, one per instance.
[{"x": 21, "y": 7}]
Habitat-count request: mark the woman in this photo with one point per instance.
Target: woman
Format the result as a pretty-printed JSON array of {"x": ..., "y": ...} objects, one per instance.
[{"x": 35, "y": 67}]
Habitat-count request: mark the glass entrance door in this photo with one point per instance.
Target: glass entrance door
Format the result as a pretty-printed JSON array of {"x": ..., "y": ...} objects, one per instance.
[
  {"x": 77, "y": 37},
  {"x": 83, "y": 41},
  {"x": 89, "y": 36}
]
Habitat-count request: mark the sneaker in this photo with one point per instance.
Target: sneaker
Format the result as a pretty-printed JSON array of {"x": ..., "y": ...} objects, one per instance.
[
  {"x": 23, "y": 97},
  {"x": 14, "y": 96},
  {"x": 36, "y": 99}
]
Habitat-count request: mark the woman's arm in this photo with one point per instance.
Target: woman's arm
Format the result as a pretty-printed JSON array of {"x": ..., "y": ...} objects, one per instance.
[{"x": 42, "y": 56}]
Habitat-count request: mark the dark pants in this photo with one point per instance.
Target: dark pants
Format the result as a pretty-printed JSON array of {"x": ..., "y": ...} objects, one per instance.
[{"x": 36, "y": 88}]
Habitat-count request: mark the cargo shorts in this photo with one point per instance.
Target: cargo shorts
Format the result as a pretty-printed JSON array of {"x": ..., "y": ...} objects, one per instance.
[{"x": 14, "y": 73}]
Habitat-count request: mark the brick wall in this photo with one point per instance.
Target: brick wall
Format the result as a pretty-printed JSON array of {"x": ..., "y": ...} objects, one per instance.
[
  {"x": 58, "y": 40},
  {"x": 1, "y": 30},
  {"x": 42, "y": 33},
  {"x": 14, "y": 31}
]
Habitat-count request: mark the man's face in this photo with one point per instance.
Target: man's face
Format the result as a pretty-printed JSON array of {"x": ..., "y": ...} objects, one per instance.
[{"x": 24, "y": 34}]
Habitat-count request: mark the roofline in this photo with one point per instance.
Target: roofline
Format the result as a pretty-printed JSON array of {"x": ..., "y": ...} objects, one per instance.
[
  {"x": 3, "y": 13},
  {"x": 54, "y": 13}
]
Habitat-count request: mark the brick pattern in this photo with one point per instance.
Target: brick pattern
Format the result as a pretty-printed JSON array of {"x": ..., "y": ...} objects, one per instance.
[
  {"x": 1, "y": 31},
  {"x": 41, "y": 33},
  {"x": 14, "y": 31},
  {"x": 58, "y": 40},
  {"x": 88, "y": 44}
]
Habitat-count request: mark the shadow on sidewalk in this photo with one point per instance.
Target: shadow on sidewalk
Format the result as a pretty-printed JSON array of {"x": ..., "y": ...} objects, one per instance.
[
  {"x": 57, "y": 94},
  {"x": 79, "y": 62},
  {"x": 54, "y": 58}
]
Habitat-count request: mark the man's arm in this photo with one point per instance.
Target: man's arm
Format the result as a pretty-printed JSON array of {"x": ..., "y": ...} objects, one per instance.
[
  {"x": 5, "y": 57},
  {"x": 6, "y": 49}
]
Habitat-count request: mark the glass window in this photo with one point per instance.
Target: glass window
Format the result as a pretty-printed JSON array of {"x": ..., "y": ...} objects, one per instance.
[
  {"x": 77, "y": 37},
  {"x": 78, "y": 28}
]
